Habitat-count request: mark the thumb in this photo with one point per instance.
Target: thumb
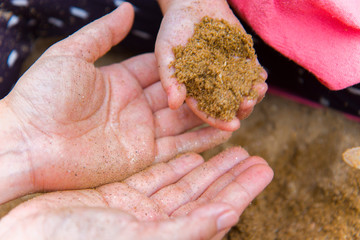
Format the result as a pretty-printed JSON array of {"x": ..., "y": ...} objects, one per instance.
[
  {"x": 95, "y": 39},
  {"x": 203, "y": 223}
]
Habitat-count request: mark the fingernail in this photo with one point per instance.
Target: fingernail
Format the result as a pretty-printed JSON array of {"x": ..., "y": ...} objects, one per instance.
[{"x": 226, "y": 220}]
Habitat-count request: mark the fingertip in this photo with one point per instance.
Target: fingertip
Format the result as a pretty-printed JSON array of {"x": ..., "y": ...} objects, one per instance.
[
  {"x": 237, "y": 150},
  {"x": 252, "y": 178},
  {"x": 261, "y": 167},
  {"x": 223, "y": 214},
  {"x": 226, "y": 135},
  {"x": 96, "y": 38},
  {"x": 267, "y": 172},
  {"x": 247, "y": 104},
  {"x": 246, "y": 108},
  {"x": 229, "y": 126},
  {"x": 176, "y": 96},
  {"x": 227, "y": 220},
  {"x": 263, "y": 74},
  {"x": 261, "y": 88},
  {"x": 124, "y": 11},
  {"x": 125, "y": 7},
  {"x": 255, "y": 178}
]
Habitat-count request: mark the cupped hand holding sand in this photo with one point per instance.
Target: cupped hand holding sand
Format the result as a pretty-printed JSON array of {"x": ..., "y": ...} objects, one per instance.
[
  {"x": 70, "y": 125},
  {"x": 185, "y": 198},
  {"x": 205, "y": 57}
]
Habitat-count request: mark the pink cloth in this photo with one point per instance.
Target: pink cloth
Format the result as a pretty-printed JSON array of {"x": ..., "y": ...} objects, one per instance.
[{"x": 323, "y": 36}]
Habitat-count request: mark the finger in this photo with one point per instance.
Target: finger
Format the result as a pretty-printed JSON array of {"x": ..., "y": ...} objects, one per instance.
[
  {"x": 172, "y": 122},
  {"x": 217, "y": 123},
  {"x": 196, "y": 182},
  {"x": 144, "y": 68},
  {"x": 156, "y": 177},
  {"x": 246, "y": 107},
  {"x": 156, "y": 96},
  {"x": 246, "y": 187},
  {"x": 261, "y": 88},
  {"x": 175, "y": 91},
  {"x": 239, "y": 193},
  {"x": 203, "y": 223},
  {"x": 230, "y": 176},
  {"x": 165, "y": 42},
  {"x": 197, "y": 141},
  {"x": 215, "y": 188},
  {"x": 95, "y": 39}
]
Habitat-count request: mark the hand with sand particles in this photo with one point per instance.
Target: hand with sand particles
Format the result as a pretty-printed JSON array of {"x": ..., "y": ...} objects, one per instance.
[
  {"x": 176, "y": 28},
  {"x": 69, "y": 125},
  {"x": 185, "y": 198}
]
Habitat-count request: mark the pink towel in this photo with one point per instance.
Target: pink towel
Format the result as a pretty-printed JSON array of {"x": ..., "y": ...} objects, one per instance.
[{"x": 323, "y": 36}]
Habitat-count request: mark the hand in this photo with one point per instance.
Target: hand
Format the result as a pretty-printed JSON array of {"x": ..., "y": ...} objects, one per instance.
[
  {"x": 176, "y": 28},
  {"x": 182, "y": 199},
  {"x": 77, "y": 126}
]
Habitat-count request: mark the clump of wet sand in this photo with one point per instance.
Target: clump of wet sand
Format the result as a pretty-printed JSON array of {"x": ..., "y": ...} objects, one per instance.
[{"x": 218, "y": 66}]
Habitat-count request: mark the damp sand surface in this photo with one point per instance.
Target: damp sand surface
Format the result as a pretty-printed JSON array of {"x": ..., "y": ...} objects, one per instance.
[{"x": 315, "y": 194}]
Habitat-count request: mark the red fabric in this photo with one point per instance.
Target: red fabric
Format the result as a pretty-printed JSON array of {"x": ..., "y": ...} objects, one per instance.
[{"x": 323, "y": 36}]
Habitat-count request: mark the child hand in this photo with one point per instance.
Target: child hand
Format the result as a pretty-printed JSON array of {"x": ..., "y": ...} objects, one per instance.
[{"x": 176, "y": 28}]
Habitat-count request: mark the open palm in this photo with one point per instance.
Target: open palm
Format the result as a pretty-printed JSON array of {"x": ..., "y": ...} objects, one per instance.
[
  {"x": 185, "y": 198},
  {"x": 86, "y": 126}
]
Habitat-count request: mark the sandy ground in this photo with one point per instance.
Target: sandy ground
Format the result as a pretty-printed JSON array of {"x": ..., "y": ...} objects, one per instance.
[{"x": 314, "y": 194}]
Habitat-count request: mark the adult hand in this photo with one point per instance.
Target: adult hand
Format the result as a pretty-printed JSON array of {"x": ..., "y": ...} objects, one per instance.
[
  {"x": 68, "y": 124},
  {"x": 182, "y": 199},
  {"x": 176, "y": 28}
]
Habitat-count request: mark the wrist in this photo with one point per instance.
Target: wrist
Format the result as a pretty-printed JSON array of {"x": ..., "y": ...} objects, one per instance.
[
  {"x": 15, "y": 176},
  {"x": 198, "y": 7},
  {"x": 166, "y": 4}
]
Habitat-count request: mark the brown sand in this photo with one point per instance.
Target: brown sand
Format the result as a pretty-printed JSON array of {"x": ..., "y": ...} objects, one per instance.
[
  {"x": 314, "y": 194},
  {"x": 218, "y": 67}
]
